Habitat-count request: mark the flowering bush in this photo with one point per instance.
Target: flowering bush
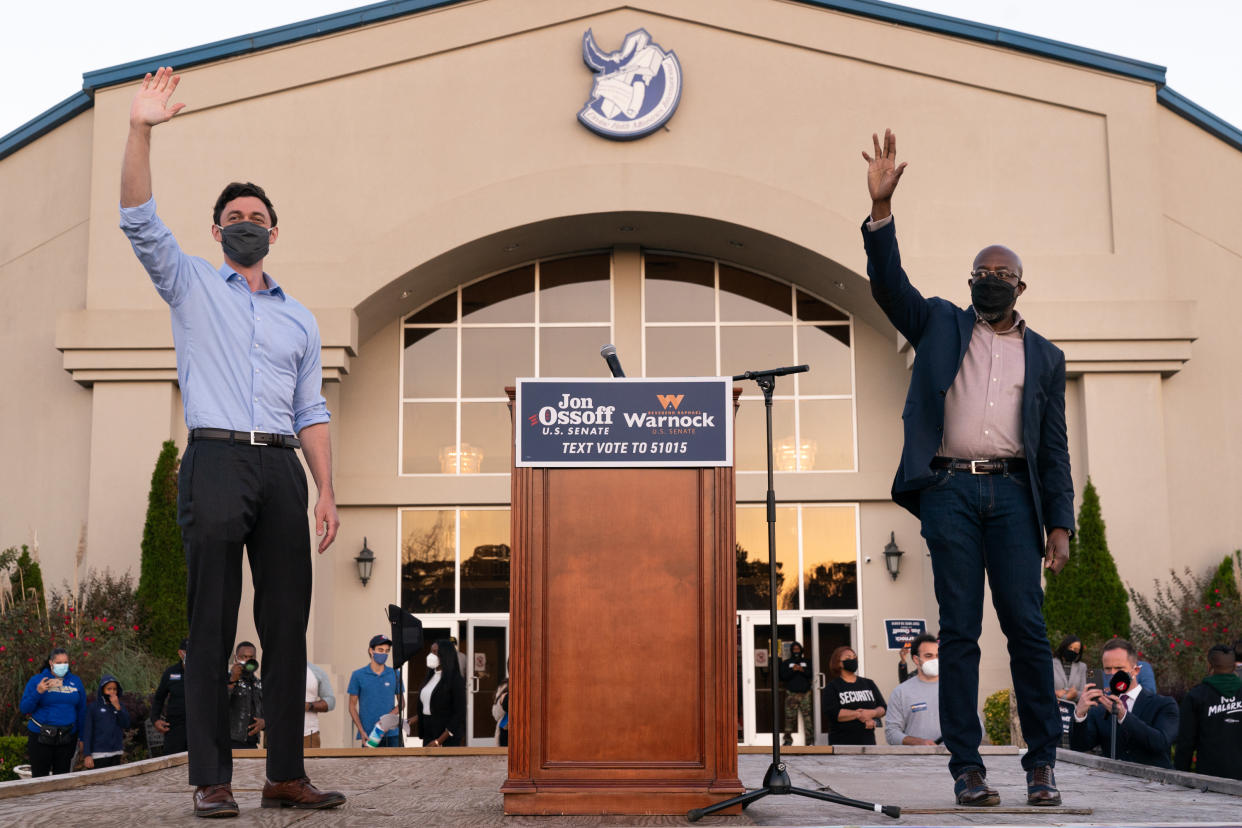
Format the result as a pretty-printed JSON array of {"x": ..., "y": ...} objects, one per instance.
[
  {"x": 1179, "y": 623},
  {"x": 96, "y": 628}
]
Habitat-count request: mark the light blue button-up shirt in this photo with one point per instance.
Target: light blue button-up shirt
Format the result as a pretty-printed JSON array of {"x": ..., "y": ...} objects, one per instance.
[{"x": 246, "y": 361}]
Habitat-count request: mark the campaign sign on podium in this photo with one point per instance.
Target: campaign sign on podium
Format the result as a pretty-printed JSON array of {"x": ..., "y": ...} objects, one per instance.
[{"x": 622, "y": 422}]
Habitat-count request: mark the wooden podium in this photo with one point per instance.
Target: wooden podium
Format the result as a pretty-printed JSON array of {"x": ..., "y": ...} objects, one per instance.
[{"x": 623, "y": 638}]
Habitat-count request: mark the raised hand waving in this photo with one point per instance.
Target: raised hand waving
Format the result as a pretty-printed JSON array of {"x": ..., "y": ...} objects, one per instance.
[
  {"x": 883, "y": 173},
  {"x": 150, "y": 105}
]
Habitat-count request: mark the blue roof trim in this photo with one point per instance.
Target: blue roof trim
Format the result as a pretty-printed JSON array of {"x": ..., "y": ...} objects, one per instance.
[
  {"x": 389, "y": 9},
  {"x": 40, "y": 125},
  {"x": 266, "y": 39},
  {"x": 983, "y": 33},
  {"x": 1199, "y": 116}
]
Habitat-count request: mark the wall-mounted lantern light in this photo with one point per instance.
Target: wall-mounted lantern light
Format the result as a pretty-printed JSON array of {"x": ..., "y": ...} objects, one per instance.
[{"x": 366, "y": 560}]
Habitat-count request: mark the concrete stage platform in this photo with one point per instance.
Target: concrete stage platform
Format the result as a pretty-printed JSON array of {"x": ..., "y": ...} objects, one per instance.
[{"x": 462, "y": 788}]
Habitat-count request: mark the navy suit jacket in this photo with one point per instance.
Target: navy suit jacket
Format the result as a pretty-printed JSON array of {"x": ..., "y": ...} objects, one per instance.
[
  {"x": 940, "y": 332},
  {"x": 1144, "y": 736}
]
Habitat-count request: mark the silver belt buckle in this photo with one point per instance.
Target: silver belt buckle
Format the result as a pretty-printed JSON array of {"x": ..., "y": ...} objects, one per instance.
[
  {"x": 974, "y": 466},
  {"x": 253, "y": 443}
]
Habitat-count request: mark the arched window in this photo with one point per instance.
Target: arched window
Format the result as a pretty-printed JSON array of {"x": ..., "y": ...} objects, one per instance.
[
  {"x": 705, "y": 318},
  {"x": 699, "y": 317}
]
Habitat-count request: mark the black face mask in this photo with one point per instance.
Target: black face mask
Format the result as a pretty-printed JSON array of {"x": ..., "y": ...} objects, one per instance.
[
  {"x": 992, "y": 296},
  {"x": 1069, "y": 657},
  {"x": 796, "y": 654},
  {"x": 850, "y": 665},
  {"x": 245, "y": 242}
]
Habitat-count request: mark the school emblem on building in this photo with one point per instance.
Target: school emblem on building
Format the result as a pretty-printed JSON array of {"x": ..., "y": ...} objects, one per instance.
[{"x": 636, "y": 89}]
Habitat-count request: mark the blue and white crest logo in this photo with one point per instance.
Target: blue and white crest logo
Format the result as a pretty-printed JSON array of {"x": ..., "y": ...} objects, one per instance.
[{"x": 636, "y": 89}]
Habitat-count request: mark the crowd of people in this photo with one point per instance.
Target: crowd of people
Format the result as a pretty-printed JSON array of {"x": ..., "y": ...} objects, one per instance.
[
  {"x": 1114, "y": 710},
  {"x": 64, "y": 722}
]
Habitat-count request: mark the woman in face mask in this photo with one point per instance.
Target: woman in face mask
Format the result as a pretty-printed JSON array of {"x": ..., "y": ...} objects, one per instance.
[
  {"x": 852, "y": 705},
  {"x": 1069, "y": 673},
  {"x": 442, "y": 701},
  {"x": 55, "y": 701}
]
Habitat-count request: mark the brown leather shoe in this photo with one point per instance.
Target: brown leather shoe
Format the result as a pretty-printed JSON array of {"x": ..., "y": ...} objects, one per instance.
[
  {"x": 214, "y": 801},
  {"x": 299, "y": 793},
  {"x": 971, "y": 788},
  {"x": 1041, "y": 786}
]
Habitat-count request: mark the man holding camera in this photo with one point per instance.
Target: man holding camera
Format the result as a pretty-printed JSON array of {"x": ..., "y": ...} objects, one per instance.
[
  {"x": 1146, "y": 723},
  {"x": 245, "y": 698}
]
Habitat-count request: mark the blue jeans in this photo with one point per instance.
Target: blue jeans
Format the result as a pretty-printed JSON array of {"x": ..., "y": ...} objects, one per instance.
[{"x": 986, "y": 523}]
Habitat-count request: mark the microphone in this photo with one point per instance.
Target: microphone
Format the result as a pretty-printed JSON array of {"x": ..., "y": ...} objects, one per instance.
[
  {"x": 1120, "y": 683},
  {"x": 773, "y": 372},
  {"x": 609, "y": 353}
]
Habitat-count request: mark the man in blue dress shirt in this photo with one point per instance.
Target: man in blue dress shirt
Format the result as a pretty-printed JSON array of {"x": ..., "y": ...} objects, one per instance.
[{"x": 248, "y": 365}]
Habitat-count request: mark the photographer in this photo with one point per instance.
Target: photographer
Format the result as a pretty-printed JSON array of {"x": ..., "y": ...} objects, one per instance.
[
  {"x": 1146, "y": 722},
  {"x": 245, "y": 698},
  {"x": 55, "y": 701}
]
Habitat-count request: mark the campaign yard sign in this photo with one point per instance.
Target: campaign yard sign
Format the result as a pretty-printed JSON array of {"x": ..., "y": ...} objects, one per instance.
[
  {"x": 903, "y": 630},
  {"x": 624, "y": 422}
]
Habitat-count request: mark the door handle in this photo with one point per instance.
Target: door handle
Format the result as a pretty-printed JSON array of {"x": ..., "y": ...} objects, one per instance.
[
  {"x": 474, "y": 684},
  {"x": 821, "y": 681}
]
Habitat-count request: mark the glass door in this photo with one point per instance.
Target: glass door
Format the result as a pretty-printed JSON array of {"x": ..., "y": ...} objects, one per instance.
[
  {"x": 826, "y": 635},
  {"x": 756, "y": 661},
  {"x": 487, "y": 664}
]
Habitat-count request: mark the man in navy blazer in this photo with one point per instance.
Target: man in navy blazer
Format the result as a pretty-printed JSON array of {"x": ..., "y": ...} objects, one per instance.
[
  {"x": 1146, "y": 722},
  {"x": 985, "y": 467}
]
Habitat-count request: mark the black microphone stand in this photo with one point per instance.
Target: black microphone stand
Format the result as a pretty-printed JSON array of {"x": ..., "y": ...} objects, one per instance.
[{"x": 776, "y": 780}]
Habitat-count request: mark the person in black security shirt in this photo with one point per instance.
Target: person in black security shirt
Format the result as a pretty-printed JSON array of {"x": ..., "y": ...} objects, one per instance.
[
  {"x": 795, "y": 673},
  {"x": 852, "y": 705},
  {"x": 1146, "y": 722},
  {"x": 168, "y": 706},
  {"x": 1211, "y": 722}
]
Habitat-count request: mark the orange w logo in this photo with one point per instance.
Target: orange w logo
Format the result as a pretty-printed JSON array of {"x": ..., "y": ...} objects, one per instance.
[{"x": 667, "y": 400}]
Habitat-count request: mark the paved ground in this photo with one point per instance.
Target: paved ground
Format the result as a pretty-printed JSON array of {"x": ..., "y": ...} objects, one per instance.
[{"x": 463, "y": 790}]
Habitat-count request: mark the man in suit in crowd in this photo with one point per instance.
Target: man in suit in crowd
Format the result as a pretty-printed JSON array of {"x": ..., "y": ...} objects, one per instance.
[
  {"x": 1146, "y": 722},
  {"x": 985, "y": 466}
]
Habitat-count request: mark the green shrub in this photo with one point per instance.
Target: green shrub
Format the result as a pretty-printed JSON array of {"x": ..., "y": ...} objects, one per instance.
[
  {"x": 162, "y": 582},
  {"x": 12, "y": 754},
  {"x": 1087, "y": 598},
  {"x": 1224, "y": 583},
  {"x": 996, "y": 717},
  {"x": 27, "y": 575}
]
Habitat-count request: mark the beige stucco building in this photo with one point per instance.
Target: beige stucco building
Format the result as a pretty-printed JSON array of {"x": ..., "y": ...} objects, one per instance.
[{"x": 453, "y": 226}]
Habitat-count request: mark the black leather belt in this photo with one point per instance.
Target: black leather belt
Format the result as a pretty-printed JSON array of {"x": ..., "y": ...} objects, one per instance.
[
  {"x": 246, "y": 438},
  {"x": 999, "y": 465}
]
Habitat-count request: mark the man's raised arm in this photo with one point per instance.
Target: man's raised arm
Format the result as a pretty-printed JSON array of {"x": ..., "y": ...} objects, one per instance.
[{"x": 149, "y": 108}]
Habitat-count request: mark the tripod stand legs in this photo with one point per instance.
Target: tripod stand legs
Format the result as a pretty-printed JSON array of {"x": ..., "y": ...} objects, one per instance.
[{"x": 776, "y": 782}]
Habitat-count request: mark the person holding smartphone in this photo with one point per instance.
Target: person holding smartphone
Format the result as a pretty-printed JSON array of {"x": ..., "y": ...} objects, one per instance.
[
  {"x": 1146, "y": 722},
  {"x": 55, "y": 701}
]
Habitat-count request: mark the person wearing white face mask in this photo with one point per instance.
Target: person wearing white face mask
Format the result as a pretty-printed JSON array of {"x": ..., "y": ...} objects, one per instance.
[
  {"x": 55, "y": 701},
  {"x": 373, "y": 691},
  {"x": 442, "y": 701},
  {"x": 914, "y": 707}
]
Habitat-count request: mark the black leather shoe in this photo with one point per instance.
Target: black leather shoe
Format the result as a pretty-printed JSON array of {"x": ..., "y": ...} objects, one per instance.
[
  {"x": 971, "y": 788},
  {"x": 299, "y": 793},
  {"x": 1041, "y": 786},
  {"x": 214, "y": 801}
]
